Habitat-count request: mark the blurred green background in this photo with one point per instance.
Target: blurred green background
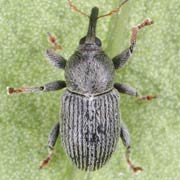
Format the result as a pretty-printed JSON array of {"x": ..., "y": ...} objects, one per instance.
[{"x": 25, "y": 120}]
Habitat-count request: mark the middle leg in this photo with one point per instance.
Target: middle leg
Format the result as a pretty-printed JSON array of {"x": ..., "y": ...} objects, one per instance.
[
  {"x": 52, "y": 86},
  {"x": 126, "y": 89}
]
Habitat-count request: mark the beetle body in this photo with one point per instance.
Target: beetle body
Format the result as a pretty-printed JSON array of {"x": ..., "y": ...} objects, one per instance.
[
  {"x": 90, "y": 128},
  {"x": 90, "y": 107},
  {"x": 90, "y": 123}
]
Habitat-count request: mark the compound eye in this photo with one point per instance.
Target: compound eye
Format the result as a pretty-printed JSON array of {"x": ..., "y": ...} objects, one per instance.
[
  {"x": 82, "y": 40},
  {"x": 98, "y": 41}
]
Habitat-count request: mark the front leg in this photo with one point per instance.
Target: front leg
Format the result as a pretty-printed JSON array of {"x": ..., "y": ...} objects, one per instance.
[
  {"x": 52, "y": 86},
  {"x": 54, "y": 58},
  {"x": 123, "y": 57}
]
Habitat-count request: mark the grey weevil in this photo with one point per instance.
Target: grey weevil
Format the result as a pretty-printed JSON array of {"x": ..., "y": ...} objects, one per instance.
[{"x": 90, "y": 124}]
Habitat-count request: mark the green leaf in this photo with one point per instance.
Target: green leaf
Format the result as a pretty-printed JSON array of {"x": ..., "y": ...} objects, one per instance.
[{"x": 25, "y": 120}]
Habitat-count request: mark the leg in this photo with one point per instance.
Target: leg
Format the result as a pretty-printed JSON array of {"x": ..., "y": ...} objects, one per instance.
[
  {"x": 52, "y": 86},
  {"x": 53, "y": 40},
  {"x": 124, "y": 134},
  {"x": 122, "y": 58},
  {"x": 55, "y": 59},
  {"x": 148, "y": 97},
  {"x": 126, "y": 89},
  {"x": 51, "y": 143}
]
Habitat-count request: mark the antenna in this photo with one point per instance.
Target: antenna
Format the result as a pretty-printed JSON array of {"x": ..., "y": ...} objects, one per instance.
[{"x": 115, "y": 10}]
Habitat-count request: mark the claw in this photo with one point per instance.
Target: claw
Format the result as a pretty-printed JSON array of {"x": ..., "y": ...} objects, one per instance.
[
  {"x": 10, "y": 90},
  {"x": 135, "y": 29},
  {"x": 147, "y": 98},
  {"x": 146, "y": 22},
  {"x": 134, "y": 168},
  {"x": 131, "y": 165},
  {"x": 53, "y": 40},
  {"x": 46, "y": 161}
]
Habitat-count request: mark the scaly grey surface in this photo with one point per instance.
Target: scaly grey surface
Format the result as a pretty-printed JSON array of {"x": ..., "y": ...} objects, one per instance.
[{"x": 90, "y": 128}]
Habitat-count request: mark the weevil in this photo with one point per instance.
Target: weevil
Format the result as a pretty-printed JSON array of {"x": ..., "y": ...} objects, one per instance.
[{"x": 90, "y": 121}]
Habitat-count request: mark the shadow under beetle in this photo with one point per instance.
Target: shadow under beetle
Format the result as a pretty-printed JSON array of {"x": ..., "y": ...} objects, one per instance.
[{"x": 90, "y": 124}]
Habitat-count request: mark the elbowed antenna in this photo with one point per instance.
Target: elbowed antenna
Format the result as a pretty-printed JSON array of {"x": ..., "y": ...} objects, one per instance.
[
  {"x": 76, "y": 9},
  {"x": 115, "y": 10}
]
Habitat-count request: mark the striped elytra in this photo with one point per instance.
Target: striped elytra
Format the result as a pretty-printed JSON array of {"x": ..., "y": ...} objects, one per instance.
[{"x": 90, "y": 128}]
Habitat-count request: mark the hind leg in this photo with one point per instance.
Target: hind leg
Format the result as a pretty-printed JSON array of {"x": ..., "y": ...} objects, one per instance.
[
  {"x": 51, "y": 143},
  {"x": 124, "y": 134}
]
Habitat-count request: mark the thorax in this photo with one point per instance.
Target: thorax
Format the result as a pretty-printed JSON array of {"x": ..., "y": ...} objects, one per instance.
[{"x": 89, "y": 72}]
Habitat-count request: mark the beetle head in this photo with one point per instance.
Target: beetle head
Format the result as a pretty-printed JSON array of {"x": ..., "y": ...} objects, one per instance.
[{"x": 90, "y": 38}]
